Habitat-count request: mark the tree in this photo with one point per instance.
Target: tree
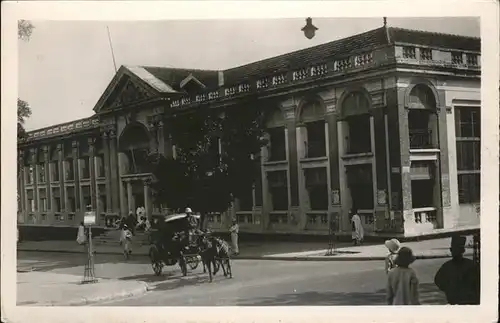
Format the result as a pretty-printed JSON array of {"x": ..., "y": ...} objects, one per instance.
[
  {"x": 201, "y": 177},
  {"x": 23, "y": 112},
  {"x": 24, "y": 29}
]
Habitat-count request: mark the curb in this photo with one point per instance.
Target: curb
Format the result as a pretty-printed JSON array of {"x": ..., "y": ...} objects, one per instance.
[{"x": 106, "y": 298}]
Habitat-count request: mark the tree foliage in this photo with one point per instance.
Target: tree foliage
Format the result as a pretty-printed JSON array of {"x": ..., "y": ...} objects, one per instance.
[
  {"x": 200, "y": 177},
  {"x": 24, "y": 29},
  {"x": 23, "y": 112}
]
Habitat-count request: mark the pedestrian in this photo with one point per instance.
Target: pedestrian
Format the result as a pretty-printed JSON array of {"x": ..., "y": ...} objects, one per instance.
[
  {"x": 81, "y": 237},
  {"x": 131, "y": 222},
  {"x": 459, "y": 278},
  {"x": 234, "y": 230},
  {"x": 402, "y": 281},
  {"x": 393, "y": 246},
  {"x": 125, "y": 238},
  {"x": 357, "y": 227}
]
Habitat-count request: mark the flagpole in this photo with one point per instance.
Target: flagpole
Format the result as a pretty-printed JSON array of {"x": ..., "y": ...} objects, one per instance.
[{"x": 112, "y": 51}]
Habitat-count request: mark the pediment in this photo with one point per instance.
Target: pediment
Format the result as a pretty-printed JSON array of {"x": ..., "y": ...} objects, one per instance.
[
  {"x": 131, "y": 85},
  {"x": 129, "y": 93}
]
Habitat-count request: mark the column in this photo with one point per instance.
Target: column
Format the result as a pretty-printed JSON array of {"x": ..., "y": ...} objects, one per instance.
[
  {"x": 21, "y": 189},
  {"x": 114, "y": 175},
  {"x": 48, "y": 190},
  {"x": 107, "y": 170},
  {"x": 333, "y": 160},
  {"x": 34, "y": 153},
  {"x": 289, "y": 108},
  {"x": 404, "y": 150},
  {"x": 62, "y": 173},
  {"x": 76, "y": 172},
  {"x": 122, "y": 189},
  {"x": 130, "y": 197},
  {"x": 147, "y": 200},
  {"x": 93, "y": 190},
  {"x": 153, "y": 133},
  {"x": 444, "y": 164}
]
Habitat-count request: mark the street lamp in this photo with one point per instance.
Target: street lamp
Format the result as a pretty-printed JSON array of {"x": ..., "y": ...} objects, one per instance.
[{"x": 309, "y": 29}]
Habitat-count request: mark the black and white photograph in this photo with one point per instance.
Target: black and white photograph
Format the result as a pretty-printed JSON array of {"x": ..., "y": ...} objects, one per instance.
[{"x": 259, "y": 162}]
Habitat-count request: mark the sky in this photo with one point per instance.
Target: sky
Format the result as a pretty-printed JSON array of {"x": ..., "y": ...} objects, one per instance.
[{"x": 66, "y": 65}]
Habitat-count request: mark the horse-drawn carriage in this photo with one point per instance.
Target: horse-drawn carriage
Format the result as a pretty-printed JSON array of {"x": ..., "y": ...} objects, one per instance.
[
  {"x": 170, "y": 245},
  {"x": 175, "y": 241}
]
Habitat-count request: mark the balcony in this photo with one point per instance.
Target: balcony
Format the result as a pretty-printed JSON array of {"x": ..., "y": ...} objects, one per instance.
[{"x": 421, "y": 139}]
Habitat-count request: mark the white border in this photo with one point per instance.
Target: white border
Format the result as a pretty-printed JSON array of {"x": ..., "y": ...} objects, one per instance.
[{"x": 158, "y": 10}]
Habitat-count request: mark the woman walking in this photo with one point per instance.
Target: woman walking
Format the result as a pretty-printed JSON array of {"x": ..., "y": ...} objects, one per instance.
[
  {"x": 402, "y": 281},
  {"x": 357, "y": 228},
  {"x": 234, "y": 237},
  {"x": 125, "y": 237}
]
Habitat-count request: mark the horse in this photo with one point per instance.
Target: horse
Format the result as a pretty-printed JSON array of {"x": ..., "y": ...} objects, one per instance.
[{"x": 214, "y": 251}]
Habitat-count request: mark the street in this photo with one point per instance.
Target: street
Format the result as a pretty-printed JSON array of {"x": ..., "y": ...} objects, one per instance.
[{"x": 254, "y": 282}]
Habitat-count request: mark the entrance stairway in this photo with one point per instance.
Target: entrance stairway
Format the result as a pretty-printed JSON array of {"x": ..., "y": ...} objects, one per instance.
[{"x": 112, "y": 238}]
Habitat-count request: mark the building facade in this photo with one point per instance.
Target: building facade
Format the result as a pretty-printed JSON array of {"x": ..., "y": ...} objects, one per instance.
[{"x": 387, "y": 121}]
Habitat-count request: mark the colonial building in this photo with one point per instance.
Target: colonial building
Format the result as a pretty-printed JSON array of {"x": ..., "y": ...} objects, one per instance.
[{"x": 387, "y": 121}]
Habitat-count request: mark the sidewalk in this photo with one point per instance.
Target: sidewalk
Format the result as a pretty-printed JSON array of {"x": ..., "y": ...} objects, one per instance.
[
  {"x": 428, "y": 249},
  {"x": 437, "y": 248},
  {"x": 51, "y": 289}
]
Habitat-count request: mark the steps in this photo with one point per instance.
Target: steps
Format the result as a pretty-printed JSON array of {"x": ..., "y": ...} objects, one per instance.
[{"x": 112, "y": 238}]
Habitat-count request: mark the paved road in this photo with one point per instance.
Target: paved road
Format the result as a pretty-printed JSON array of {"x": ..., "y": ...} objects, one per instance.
[
  {"x": 255, "y": 283},
  {"x": 262, "y": 283}
]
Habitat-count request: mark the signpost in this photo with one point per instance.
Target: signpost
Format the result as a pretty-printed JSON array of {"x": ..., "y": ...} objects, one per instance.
[
  {"x": 89, "y": 273},
  {"x": 333, "y": 227}
]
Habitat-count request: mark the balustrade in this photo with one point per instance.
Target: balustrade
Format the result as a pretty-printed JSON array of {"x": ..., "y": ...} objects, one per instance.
[{"x": 420, "y": 138}]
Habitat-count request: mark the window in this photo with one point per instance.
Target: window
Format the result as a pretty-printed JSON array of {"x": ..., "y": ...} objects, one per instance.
[
  {"x": 317, "y": 187},
  {"x": 85, "y": 167},
  {"x": 71, "y": 200},
  {"x": 55, "y": 171},
  {"x": 472, "y": 59},
  {"x": 316, "y": 141},
  {"x": 31, "y": 201},
  {"x": 278, "y": 187},
  {"x": 86, "y": 197},
  {"x": 469, "y": 188},
  {"x": 30, "y": 177},
  {"x": 360, "y": 182},
  {"x": 359, "y": 134},
  {"x": 468, "y": 137},
  {"x": 41, "y": 173},
  {"x": 102, "y": 199},
  {"x": 100, "y": 165},
  {"x": 422, "y": 193},
  {"x": 70, "y": 174},
  {"x": 56, "y": 199},
  {"x": 277, "y": 142}
]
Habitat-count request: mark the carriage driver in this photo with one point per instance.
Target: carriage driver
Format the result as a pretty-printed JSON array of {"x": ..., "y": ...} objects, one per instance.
[{"x": 192, "y": 225}]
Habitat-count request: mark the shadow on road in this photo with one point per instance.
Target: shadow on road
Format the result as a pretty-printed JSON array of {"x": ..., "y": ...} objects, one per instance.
[{"x": 429, "y": 295}]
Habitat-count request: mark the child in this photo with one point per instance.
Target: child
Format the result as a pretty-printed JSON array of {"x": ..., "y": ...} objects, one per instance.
[
  {"x": 393, "y": 246},
  {"x": 402, "y": 281}
]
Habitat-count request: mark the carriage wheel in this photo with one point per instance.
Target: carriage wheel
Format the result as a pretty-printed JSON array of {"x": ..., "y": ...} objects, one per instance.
[
  {"x": 156, "y": 263},
  {"x": 194, "y": 262}
]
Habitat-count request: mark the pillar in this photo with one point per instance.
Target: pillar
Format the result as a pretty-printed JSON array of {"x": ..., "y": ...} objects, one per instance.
[
  {"x": 93, "y": 188},
  {"x": 121, "y": 186},
  {"x": 21, "y": 189},
  {"x": 404, "y": 150},
  {"x": 62, "y": 193},
  {"x": 34, "y": 153},
  {"x": 116, "y": 184},
  {"x": 331, "y": 118},
  {"x": 48, "y": 193},
  {"x": 76, "y": 172},
  {"x": 444, "y": 164},
  {"x": 107, "y": 170},
  {"x": 147, "y": 200},
  {"x": 130, "y": 197}
]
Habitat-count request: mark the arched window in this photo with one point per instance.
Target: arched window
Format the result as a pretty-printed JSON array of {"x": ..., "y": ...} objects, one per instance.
[
  {"x": 134, "y": 142},
  {"x": 422, "y": 105},
  {"x": 355, "y": 111},
  {"x": 312, "y": 115}
]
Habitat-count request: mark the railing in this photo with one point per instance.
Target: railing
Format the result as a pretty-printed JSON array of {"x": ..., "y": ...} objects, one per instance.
[
  {"x": 425, "y": 215},
  {"x": 64, "y": 128},
  {"x": 420, "y": 139}
]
